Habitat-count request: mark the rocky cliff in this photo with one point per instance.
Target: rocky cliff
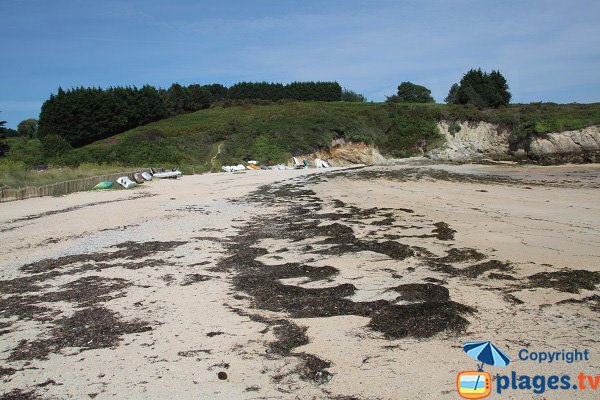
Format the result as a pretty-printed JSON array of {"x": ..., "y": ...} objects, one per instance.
[
  {"x": 478, "y": 141},
  {"x": 344, "y": 153}
]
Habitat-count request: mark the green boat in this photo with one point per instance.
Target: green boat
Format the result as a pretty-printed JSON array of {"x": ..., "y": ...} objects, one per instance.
[{"x": 103, "y": 185}]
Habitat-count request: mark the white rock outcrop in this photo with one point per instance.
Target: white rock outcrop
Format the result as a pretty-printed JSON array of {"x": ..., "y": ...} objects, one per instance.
[
  {"x": 474, "y": 141},
  {"x": 583, "y": 143},
  {"x": 482, "y": 140}
]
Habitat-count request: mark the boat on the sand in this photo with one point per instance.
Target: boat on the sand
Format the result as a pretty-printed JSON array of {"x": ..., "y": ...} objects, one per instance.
[
  {"x": 173, "y": 174},
  {"x": 126, "y": 182}
]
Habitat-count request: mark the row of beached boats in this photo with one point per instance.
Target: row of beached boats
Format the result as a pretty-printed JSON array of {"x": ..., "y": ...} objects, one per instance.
[
  {"x": 140, "y": 177},
  {"x": 252, "y": 165}
]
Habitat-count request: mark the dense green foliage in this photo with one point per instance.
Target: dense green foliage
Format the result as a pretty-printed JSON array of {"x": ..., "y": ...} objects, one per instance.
[
  {"x": 303, "y": 91},
  {"x": 28, "y": 128},
  {"x": 480, "y": 89},
  {"x": 409, "y": 92},
  {"x": 82, "y": 115},
  {"x": 4, "y": 147},
  {"x": 272, "y": 132},
  {"x": 454, "y": 128},
  {"x": 55, "y": 146},
  {"x": 352, "y": 96},
  {"x": 7, "y": 132}
]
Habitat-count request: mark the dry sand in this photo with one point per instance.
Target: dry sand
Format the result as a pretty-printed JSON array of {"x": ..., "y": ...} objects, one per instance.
[{"x": 321, "y": 284}]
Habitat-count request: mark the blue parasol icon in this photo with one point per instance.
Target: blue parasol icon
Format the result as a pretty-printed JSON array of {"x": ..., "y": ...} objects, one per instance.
[{"x": 487, "y": 353}]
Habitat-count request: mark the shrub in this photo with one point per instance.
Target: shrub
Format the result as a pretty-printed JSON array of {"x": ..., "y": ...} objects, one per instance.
[
  {"x": 55, "y": 146},
  {"x": 454, "y": 128}
]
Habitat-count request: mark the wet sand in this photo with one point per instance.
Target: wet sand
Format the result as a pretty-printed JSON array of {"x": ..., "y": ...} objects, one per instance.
[{"x": 339, "y": 284}]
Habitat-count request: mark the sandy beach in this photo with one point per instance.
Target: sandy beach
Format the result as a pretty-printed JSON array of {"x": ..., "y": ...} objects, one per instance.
[{"x": 356, "y": 283}]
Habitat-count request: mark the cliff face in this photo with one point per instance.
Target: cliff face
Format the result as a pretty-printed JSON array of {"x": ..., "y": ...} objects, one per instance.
[
  {"x": 570, "y": 146},
  {"x": 477, "y": 141},
  {"x": 474, "y": 141},
  {"x": 344, "y": 153}
]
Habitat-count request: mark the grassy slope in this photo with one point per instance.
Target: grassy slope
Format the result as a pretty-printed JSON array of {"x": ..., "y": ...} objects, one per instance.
[
  {"x": 267, "y": 132},
  {"x": 271, "y": 133}
]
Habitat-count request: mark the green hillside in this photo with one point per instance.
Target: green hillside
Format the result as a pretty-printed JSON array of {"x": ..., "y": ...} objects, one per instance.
[{"x": 272, "y": 132}]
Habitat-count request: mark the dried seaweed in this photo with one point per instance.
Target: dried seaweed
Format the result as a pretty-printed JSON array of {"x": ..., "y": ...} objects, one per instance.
[
  {"x": 422, "y": 292},
  {"x": 571, "y": 281},
  {"x": 20, "y": 394},
  {"x": 90, "y": 328}
]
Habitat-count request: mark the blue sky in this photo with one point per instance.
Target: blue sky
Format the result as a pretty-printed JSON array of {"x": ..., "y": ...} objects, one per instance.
[{"x": 548, "y": 50}]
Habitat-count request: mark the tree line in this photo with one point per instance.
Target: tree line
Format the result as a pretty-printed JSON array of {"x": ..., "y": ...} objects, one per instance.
[
  {"x": 303, "y": 91},
  {"x": 79, "y": 116},
  {"x": 479, "y": 88},
  {"x": 84, "y": 115}
]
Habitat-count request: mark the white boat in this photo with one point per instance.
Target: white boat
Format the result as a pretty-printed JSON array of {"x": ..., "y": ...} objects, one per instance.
[
  {"x": 173, "y": 174},
  {"x": 321, "y": 164},
  {"x": 298, "y": 164},
  {"x": 233, "y": 168},
  {"x": 126, "y": 182},
  {"x": 147, "y": 176}
]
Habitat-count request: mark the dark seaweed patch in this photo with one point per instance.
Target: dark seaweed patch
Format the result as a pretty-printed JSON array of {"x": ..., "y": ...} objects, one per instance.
[
  {"x": 415, "y": 174},
  {"x": 263, "y": 282},
  {"x": 127, "y": 251},
  {"x": 313, "y": 368},
  {"x": 472, "y": 271},
  {"x": 505, "y": 277},
  {"x": 571, "y": 281},
  {"x": 6, "y": 371},
  {"x": 16, "y": 306},
  {"x": 19, "y": 394},
  {"x": 384, "y": 222},
  {"x": 193, "y": 278},
  {"x": 479, "y": 269},
  {"x": 85, "y": 291},
  {"x": 512, "y": 299},
  {"x": 289, "y": 336},
  {"x": 443, "y": 231},
  {"x": 390, "y": 248},
  {"x": 461, "y": 255},
  {"x": 25, "y": 284},
  {"x": 91, "y": 328},
  {"x": 422, "y": 292},
  {"x": 420, "y": 320}
]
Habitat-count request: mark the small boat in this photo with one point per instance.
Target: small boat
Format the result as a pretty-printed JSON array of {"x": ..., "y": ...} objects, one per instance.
[
  {"x": 297, "y": 163},
  {"x": 147, "y": 176},
  {"x": 173, "y": 174},
  {"x": 137, "y": 177},
  {"x": 233, "y": 168},
  {"x": 321, "y": 164},
  {"x": 103, "y": 185},
  {"x": 126, "y": 182}
]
